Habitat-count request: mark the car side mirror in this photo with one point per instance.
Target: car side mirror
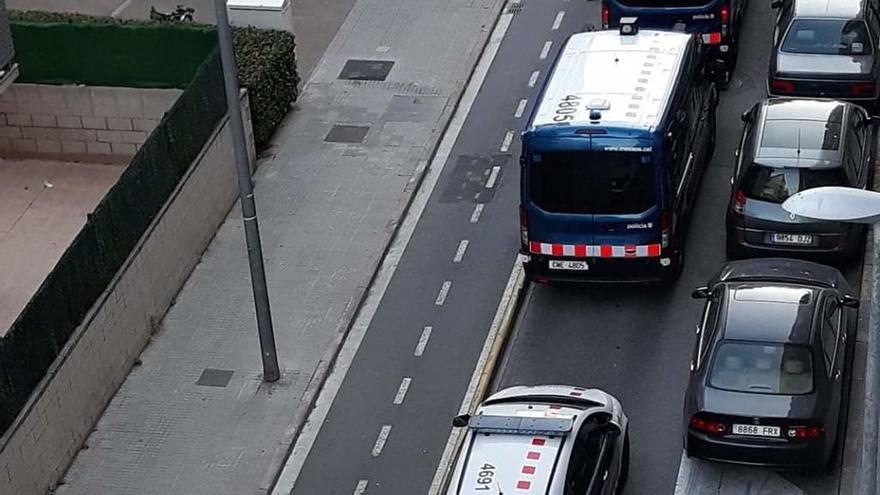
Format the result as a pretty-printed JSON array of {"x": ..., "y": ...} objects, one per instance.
[
  {"x": 700, "y": 293},
  {"x": 849, "y": 301},
  {"x": 746, "y": 116},
  {"x": 775, "y": 4},
  {"x": 461, "y": 420}
]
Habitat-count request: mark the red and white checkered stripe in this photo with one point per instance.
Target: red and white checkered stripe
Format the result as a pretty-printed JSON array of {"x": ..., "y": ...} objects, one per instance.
[{"x": 603, "y": 251}]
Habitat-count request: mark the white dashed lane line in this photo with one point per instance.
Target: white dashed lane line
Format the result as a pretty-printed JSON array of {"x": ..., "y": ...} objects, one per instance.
[
  {"x": 459, "y": 253},
  {"x": 508, "y": 138},
  {"x": 401, "y": 391},
  {"x": 423, "y": 341},
  {"x": 493, "y": 177},
  {"x": 478, "y": 210},
  {"x": 520, "y": 108},
  {"x": 444, "y": 291},
  {"x": 361, "y": 487},
  {"x": 381, "y": 439},
  {"x": 533, "y": 79},
  {"x": 558, "y": 21},
  {"x": 546, "y": 50}
]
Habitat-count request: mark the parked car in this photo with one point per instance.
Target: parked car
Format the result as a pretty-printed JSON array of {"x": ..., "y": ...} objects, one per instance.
[
  {"x": 716, "y": 22},
  {"x": 787, "y": 146},
  {"x": 826, "y": 49},
  {"x": 548, "y": 439},
  {"x": 768, "y": 364}
]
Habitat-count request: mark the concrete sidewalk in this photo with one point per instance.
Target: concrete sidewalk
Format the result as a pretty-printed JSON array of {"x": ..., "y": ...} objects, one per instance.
[{"x": 194, "y": 417}]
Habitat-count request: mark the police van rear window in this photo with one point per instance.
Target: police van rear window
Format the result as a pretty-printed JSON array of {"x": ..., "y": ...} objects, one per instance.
[
  {"x": 664, "y": 3},
  {"x": 600, "y": 182}
]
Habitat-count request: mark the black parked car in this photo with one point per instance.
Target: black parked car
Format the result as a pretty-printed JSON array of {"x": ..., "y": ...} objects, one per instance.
[
  {"x": 789, "y": 145},
  {"x": 768, "y": 364},
  {"x": 825, "y": 49}
]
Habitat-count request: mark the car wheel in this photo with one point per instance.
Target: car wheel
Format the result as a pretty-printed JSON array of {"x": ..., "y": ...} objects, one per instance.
[
  {"x": 624, "y": 465},
  {"x": 733, "y": 250}
]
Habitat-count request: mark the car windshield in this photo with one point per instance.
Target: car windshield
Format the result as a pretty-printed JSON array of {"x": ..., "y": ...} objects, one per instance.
[
  {"x": 827, "y": 37},
  {"x": 775, "y": 185},
  {"x": 762, "y": 368},
  {"x": 595, "y": 182}
]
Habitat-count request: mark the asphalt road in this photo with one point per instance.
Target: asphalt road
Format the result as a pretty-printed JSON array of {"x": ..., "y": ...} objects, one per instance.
[{"x": 633, "y": 342}]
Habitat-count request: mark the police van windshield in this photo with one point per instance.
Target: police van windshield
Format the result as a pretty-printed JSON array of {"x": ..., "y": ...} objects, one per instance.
[
  {"x": 597, "y": 182},
  {"x": 664, "y": 3}
]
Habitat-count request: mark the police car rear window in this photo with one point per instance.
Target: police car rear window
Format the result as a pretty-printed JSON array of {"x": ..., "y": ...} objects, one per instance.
[
  {"x": 599, "y": 182},
  {"x": 664, "y": 3}
]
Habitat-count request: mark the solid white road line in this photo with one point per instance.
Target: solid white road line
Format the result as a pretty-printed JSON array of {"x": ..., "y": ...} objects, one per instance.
[
  {"x": 459, "y": 253},
  {"x": 380, "y": 440},
  {"x": 401, "y": 391},
  {"x": 493, "y": 177},
  {"x": 361, "y": 488},
  {"x": 444, "y": 291},
  {"x": 478, "y": 210},
  {"x": 533, "y": 79},
  {"x": 508, "y": 138},
  {"x": 423, "y": 341},
  {"x": 309, "y": 432},
  {"x": 521, "y": 108},
  {"x": 558, "y": 21},
  {"x": 546, "y": 50}
]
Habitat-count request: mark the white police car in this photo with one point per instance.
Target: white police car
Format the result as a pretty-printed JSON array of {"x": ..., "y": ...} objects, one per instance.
[{"x": 555, "y": 440}]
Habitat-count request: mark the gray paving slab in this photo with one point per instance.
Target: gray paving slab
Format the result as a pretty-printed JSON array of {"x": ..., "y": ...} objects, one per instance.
[{"x": 327, "y": 212}]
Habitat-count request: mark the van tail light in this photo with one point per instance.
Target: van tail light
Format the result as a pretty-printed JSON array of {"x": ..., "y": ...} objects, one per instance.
[
  {"x": 862, "y": 89},
  {"x": 707, "y": 425},
  {"x": 739, "y": 203},
  {"x": 724, "y": 15},
  {"x": 782, "y": 86},
  {"x": 804, "y": 432},
  {"x": 524, "y": 226},
  {"x": 606, "y": 16},
  {"x": 665, "y": 230},
  {"x": 712, "y": 38}
]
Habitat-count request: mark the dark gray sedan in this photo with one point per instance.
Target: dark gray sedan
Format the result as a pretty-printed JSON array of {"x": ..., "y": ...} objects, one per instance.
[
  {"x": 787, "y": 146},
  {"x": 768, "y": 363},
  {"x": 826, "y": 49}
]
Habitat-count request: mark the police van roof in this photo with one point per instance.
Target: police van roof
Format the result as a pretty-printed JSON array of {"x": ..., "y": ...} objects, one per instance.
[{"x": 628, "y": 79}]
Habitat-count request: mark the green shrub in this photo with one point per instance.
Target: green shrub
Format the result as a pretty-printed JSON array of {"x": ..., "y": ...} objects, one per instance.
[{"x": 267, "y": 68}]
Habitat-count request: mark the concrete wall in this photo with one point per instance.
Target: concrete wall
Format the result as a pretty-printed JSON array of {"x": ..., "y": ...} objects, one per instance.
[
  {"x": 79, "y": 123},
  {"x": 38, "y": 447}
]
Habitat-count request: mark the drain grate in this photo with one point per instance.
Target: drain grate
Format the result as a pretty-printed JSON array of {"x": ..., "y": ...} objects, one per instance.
[
  {"x": 515, "y": 8},
  {"x": 347, "y": 134},
  {"x": 215, "y": 378},
  {"x": 366, "y": 70}
]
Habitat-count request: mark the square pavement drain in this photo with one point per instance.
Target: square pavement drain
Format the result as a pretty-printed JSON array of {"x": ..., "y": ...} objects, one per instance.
[
  {"x": 215, "y": 378},
  {"x": 347, "y": 134},
  {"x": 366, "y": 70}
]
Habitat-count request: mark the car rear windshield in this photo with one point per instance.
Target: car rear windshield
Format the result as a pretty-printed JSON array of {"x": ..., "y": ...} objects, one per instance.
[
  {"x": 762, "y": 368},
  {"x": 592, "y": 182},
  {"x": 827, "y": 37},
  {"x": 775, "y": 185},
  {"x": 664, "y": 3}
]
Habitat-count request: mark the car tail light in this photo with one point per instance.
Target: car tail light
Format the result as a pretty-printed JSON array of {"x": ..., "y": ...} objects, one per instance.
[
  {"x": 606, "y": 16},
  {"x": 725, "y": 14},
  {"x": 712, "y": 38},
  {"x": 707, "y": 425},
  {"x": 665, "y": 230},
  {"x": 805, "y": 432},
  {"x": 739, "y": 203},
  {"x": 524, "y": 226},
  {"x": 782, "y": 86},
  {"x": 862, "y": 89}
]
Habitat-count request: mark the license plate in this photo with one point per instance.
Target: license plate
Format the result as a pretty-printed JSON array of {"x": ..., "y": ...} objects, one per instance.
[
  {"x": 795, "y": 239},
  {"x": 757, "y": 431},
  {"x": 569, "y": 265}
]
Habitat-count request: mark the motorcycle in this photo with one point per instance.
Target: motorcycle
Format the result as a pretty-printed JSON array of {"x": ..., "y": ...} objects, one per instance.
[{"x": 179, "y": 14}]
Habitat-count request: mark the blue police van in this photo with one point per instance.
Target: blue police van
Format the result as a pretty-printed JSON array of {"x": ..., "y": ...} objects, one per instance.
[
  {"x": 612, "y": 156},
  {"x": 717, "y": 23}
]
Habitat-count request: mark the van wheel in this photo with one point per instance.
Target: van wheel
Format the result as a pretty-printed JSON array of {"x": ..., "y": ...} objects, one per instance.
[{"x": 624, "y": 467}]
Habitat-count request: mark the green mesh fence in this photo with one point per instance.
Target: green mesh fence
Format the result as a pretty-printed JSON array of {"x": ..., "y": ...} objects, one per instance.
[{"x": 86, "y": 269}]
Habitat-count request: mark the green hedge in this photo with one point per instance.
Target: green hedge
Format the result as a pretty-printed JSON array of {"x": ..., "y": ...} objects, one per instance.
[{"x": 62, "y": 48}]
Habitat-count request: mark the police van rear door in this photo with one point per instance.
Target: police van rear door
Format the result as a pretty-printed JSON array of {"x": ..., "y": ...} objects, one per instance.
[{"x": 692, "y": 16}]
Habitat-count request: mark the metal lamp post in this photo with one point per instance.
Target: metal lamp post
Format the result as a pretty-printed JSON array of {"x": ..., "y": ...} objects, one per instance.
[{"x": 271, "y": 372}]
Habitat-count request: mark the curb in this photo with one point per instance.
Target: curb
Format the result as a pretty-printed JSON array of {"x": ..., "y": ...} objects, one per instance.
[{"x": 325, "y": 365}]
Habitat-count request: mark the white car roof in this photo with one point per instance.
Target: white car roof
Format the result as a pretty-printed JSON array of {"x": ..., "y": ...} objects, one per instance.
[{"x": 633, "y": 76}]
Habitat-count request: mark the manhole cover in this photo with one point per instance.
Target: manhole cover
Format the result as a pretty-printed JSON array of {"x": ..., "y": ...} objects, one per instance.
[
  {"x": 366, "y": 70},
  {"x": 347, "y": 134},
  {"x": 215, "y": 378}
]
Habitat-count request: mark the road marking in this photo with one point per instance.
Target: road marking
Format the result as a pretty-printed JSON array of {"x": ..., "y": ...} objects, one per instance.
[
  {"x": 381, "y": 439},
  {"x": 533, "y": 79},
  {"x": 508, "y": 138},
  {"x": 309, "y": 433},
  {"x": 493, "y": 177},
  {"x": 521, "y": 108},
  {"x": 558, "y": 21},
  {"x": 459, "y": 253},
  {"x": 498, "y": 332},
  {"x": 423, "y": 341},
  {"x": 478, "y": 210},
  {"x": 401, "y": 391},
  {"x": 444, "y": 291},
  {"x": 361, "y": 488},
  {"x": 546, "y": 50}
]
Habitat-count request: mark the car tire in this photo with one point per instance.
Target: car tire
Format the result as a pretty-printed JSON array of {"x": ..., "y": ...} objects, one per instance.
[
  {"x": 624, "y": 465},
  {"x": 733, "y": 250}
]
